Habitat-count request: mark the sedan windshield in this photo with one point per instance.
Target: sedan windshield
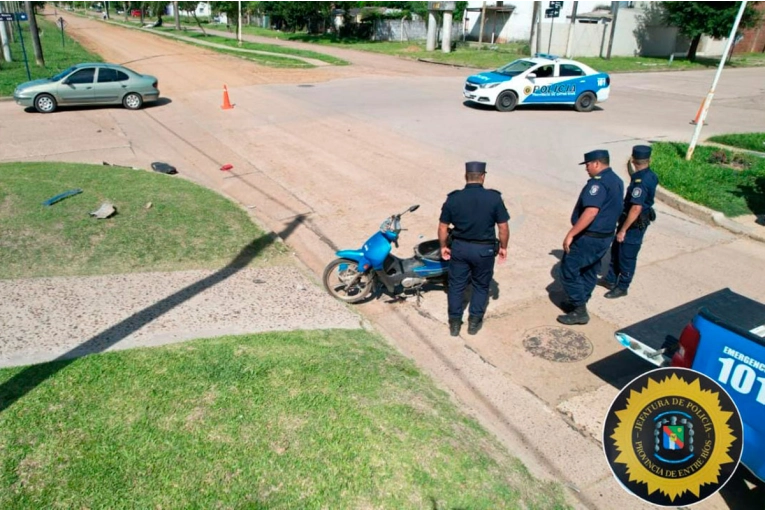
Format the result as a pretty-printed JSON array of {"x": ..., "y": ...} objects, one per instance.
[
  {"x": 60, "y": 75},
  {"x": 515, "y": 68}
]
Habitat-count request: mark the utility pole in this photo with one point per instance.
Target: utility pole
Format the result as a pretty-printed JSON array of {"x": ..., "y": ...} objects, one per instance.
[
  {"x": 239, "y": 23},
  {"x": 483, "y": 22},
  {"x": 539, "y": 26},
  {"x": 177, "y": 16},
  {"x": 615, "y": 10},
  {"x": 35, "y": 33},
  {"x": 532, "y": 38},
  {"x": 571, "y": 27},
  {"x": 6, "y": 41},
  {"x": 708, "y": 100}
]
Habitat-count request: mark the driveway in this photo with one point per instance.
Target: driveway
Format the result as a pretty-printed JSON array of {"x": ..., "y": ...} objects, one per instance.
[{"x": 346, "y": 146}]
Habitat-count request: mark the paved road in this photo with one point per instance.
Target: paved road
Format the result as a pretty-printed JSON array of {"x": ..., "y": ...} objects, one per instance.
[{"x": 340, "y": 148}]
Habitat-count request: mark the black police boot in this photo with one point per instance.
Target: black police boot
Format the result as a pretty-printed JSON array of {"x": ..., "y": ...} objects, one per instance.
[
  {"x": 615, "y": 293},
  {"x": 605, "y": 283},
  {"x": 474, "y": 324},
  {"x": 454, "y": 326},
  {"x": 567, "y": 306},
  {"x": 577, "y": 316}
]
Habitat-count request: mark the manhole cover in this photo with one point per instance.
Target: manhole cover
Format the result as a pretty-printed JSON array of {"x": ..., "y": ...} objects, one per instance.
[
  {"x": 305, "y": 85},
  {"x": 557, "y": 344}
]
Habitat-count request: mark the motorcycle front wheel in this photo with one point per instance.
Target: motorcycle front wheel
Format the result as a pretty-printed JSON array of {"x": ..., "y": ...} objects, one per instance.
[{"x": 343, "y": 281}]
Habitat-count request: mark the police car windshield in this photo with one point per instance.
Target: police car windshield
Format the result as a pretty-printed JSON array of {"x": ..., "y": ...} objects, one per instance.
[{"x": 514, "y": 68}]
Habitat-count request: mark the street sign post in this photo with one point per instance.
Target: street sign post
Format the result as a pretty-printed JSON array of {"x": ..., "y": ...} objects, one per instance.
[
  {"x": 552, "y": 12},
  {"x": 22, "y": 16},
  {"x": 60, "y": 23}
]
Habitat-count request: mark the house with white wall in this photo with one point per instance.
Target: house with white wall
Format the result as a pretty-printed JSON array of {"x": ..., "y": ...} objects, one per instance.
[{"x": 639, "y": 30}]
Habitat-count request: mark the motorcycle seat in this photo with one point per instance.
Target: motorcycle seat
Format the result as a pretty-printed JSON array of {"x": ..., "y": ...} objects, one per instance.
[{"x": 430, "y": 250}]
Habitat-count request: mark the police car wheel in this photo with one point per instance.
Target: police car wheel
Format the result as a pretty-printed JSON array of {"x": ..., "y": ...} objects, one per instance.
[
  {"x": 585, "y": 102},
  {"x": 507, "y": 101}
]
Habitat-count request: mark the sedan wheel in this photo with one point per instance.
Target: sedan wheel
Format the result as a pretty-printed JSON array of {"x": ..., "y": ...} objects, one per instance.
[
  {"x": 132, "y": 101},
  {"x": 45, "y": 103}
]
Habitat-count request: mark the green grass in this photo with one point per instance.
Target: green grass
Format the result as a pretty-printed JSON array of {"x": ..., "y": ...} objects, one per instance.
[
  {"x": 309, "y": 420},
  {"x": 190, "y": 30},
  {"x": 57, "y": 58},
  {"x": 273, "y": 48},
  {"x": 186, "y": 227},
  {"x": 493, "y": 56},
  {"x": 732, "y": 190},
  {"x": 748, "y": 141}
]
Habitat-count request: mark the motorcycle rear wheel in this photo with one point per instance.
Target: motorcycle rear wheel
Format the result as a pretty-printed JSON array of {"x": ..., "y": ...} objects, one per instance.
[{"x": 340, "y": 280}]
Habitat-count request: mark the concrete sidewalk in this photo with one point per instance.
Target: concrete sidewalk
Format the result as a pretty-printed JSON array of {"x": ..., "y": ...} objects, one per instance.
[{"x": 54, "y": 318}]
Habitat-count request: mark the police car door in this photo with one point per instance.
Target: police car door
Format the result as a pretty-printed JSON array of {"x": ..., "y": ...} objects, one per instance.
[{"x": 538, "y": 83}]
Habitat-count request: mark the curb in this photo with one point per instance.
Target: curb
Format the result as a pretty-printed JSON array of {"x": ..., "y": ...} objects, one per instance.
[{"x": 708, "y": 216}]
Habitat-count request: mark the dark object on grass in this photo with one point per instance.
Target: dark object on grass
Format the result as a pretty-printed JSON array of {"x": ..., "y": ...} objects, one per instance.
[
  {"x": 62, "y": 196},
  {"x": 106, "y": 210},
  {"x": 163, "y": 168}
]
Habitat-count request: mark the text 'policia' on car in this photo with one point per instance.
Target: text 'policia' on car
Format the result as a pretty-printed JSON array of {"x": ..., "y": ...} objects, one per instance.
[
  {"x": 542, "y": 79},
  {"x": 86, "y": 84}
]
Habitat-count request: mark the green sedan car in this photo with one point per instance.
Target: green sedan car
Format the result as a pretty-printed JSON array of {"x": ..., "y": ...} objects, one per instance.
[{"x": 85, "y": 84}]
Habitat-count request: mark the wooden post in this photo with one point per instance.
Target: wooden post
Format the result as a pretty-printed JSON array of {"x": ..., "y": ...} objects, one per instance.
[
  {"x": 615, "y": 9},
  {"x": 483, "y": 21}
]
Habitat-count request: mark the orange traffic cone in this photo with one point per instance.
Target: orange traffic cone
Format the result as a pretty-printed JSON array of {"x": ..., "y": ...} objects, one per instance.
[
  {"x": 226, "y": 103},
  {"x": 698, "y": 113}
]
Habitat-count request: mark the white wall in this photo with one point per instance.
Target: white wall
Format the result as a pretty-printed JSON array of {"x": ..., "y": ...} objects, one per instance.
[
  {"x": 640, "y": 30},
  {"x": 518, "y": 25}
]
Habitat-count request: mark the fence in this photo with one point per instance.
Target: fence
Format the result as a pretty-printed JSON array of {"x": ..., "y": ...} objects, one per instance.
[{"x": 408, "y": 30}]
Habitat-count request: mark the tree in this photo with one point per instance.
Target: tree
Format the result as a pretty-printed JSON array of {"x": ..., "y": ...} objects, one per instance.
[
  {"x": 35, "y": 33},
  {"x": 192, "y": 8},
  {"x": 714, "y": 19}
]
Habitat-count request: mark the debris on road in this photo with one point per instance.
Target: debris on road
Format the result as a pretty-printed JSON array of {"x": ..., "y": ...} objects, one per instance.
[
  {"x": 227, "y": 166},
  {"x": 107, "y": 209},
  {"x": 62, "y": 196},
  {"x": 163, "y": 168}
]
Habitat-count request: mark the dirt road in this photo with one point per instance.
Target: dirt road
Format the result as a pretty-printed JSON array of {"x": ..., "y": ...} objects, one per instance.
[{"x": 339, "y": 148}]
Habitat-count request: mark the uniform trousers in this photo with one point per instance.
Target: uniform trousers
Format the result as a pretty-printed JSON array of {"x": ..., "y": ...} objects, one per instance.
[
  {"x": 474, "y": 263},
  {"x": 624, "y": 259},
  {"x": 579, "y": 267}
]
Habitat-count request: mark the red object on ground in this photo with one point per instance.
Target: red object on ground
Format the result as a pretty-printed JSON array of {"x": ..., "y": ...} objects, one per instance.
[{"x": 227, "y": 166}]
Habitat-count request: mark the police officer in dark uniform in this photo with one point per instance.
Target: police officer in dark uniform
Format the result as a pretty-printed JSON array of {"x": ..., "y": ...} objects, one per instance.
[
  {"x": 473, "y": 211},
  {"x": 593, "y": 224},
  {"x": 637, "y": 215}
]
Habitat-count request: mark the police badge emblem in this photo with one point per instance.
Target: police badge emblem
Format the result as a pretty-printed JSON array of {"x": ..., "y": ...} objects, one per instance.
[{"x": 673, "y": 437}]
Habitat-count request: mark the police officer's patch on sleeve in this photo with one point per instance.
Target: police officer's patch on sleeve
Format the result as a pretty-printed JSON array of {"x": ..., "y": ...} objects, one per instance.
[
  {"x": 594, "y": 189},
  {"x": 637, "y": 192}
]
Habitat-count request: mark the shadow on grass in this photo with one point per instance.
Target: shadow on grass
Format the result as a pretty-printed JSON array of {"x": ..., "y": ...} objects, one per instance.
[
  {"x": 754, "y": 194},
  {"x": 31, "y": 377}
]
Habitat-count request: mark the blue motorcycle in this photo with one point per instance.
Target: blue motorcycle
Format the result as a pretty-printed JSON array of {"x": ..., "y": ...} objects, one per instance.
[{"x": 354, "y": 275}]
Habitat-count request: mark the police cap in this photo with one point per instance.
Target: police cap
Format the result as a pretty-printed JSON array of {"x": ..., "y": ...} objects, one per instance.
[
  {"x": 475, "y": 167},
  {"x": 641, "y": 152},
  {"x": 595, "y": 155}
]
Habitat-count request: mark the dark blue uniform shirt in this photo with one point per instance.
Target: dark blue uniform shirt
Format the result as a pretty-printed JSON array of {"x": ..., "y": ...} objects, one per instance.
[
  {"x": 474, "y": 211},
  {"x": 642, "y": 190},
  {"x": 606, "y": 192}
]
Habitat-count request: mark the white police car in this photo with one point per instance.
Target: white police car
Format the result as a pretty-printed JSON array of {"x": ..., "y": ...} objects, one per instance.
[{"x": 542, "y": 79}]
